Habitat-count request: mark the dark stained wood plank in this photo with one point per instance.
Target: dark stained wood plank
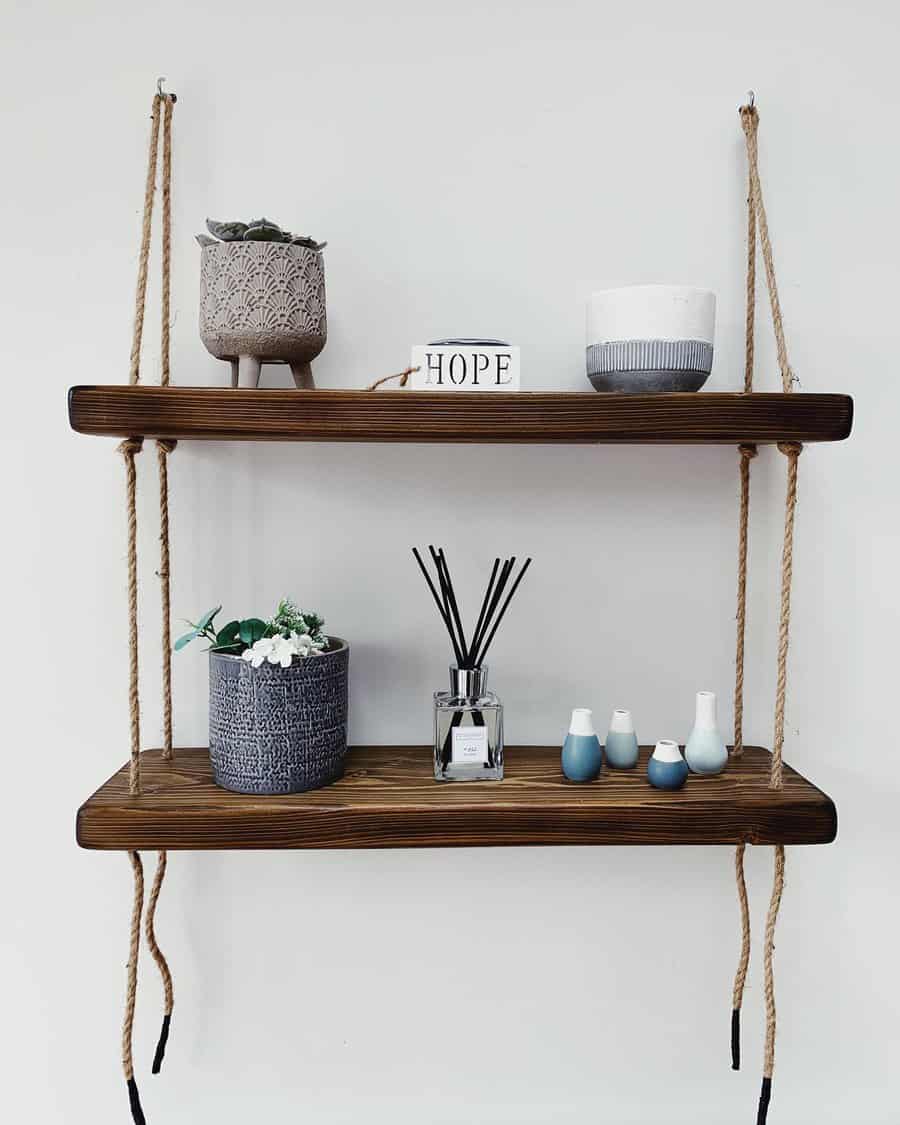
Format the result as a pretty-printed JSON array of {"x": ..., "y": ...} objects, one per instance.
[
  {"x": 388, "y": 799},
  {"x": 213, "y": 413}
]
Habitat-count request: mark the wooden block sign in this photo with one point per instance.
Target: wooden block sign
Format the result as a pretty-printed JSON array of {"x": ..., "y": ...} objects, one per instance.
[{"x": 465, "y": 365}]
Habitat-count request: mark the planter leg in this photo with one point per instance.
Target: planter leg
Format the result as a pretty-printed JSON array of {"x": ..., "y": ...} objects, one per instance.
[
  {"x": 234, "y": 372},
  {"x": 248, "y": 371},
  {"x": 303, "y": 376}
]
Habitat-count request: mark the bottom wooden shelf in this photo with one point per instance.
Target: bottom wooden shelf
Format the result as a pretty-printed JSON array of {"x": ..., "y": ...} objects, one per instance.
[{"x": 388, "y": 799}]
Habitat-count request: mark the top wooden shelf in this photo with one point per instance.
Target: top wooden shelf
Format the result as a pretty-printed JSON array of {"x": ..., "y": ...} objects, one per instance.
[{"x": 223, "y": 414}]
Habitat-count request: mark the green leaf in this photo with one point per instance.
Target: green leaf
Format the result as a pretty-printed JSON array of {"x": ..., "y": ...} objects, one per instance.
[
  {"x": 234, "y": 649},
  {"x": 252, "y": 630},
  {"x": 206, "y": 620},
  {"x": 186, "y": 639},
  {"x": 228, "y": 634}
]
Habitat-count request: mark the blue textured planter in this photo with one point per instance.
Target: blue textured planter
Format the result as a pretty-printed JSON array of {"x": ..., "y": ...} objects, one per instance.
[
  {"x": 278, "y": 730},
  {"x": 582, "y": 757}
]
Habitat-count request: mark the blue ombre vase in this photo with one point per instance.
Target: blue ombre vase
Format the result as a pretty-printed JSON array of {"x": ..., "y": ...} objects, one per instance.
[
  {"x": 621, "y": 749},
  {"x": 666, "y": 768},
  {"x": 582, "y": 754},
  {"x": 705, "y": 750}
]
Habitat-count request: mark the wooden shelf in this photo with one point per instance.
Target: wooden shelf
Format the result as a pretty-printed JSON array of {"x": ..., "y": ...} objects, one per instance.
[
  {"x": 388, "y": 799},
  {"x": 223, "y": 414}
]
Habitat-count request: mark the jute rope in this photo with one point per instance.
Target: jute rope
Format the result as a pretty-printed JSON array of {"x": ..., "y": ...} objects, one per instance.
[
  {"x": 161, "y": 103},
  {"x": 757, "y": 224},
  {"x": 131, "y": 989},
  {"x": 769, "y": 1051},
  {"x": 159, "y": 958},
  {"x": 747, "y": 453},
  {"x": 403, "y": 376},
  {"x": 165, "y": 447},
  {"x": 750, "y": 125},
  {"x": 743, "y": 960},
  {"x": 128, "y": 449}
]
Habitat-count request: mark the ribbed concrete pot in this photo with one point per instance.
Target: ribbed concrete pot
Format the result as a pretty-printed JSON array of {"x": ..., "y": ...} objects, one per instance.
[
  {"x": 263, "y": 302},
  {"x": 278, "y": 730}
]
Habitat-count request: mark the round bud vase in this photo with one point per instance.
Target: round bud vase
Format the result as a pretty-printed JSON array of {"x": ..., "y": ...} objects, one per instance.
[
  {"x": 666, "y": 768},
  {"x": 582, "y": 754},
  {"x": 621, "y": 749},
  {"x": 705, "y": 750}
]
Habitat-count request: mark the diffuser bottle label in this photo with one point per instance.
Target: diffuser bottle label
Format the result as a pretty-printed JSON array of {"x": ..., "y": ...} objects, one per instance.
[{"x": 470, "y": 745}]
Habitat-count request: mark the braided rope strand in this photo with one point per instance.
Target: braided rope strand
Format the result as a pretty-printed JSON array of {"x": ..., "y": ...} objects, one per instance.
[
  {"x": 144, "y": 255},
  {"x": 159, "y": 958},
  {"x": 747, "y": 452},
  {"x": 737, "y": 996},
  {"x": 131, "y": 989},
  {"x": 750, "y": 125},
  {"x": 769, "y": 1052},
  {"x": 128, "y": 449},
  {"x": 792, "y": 451}
]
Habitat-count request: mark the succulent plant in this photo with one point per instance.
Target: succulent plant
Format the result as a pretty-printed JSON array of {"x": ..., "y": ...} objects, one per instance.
[{"x": 259, "y": 230}]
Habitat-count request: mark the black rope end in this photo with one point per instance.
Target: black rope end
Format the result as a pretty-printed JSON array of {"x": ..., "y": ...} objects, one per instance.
[
  {"x": 736, "y": 1039},
  {"x": 134, "y": 1101},
  {"x": 764, "y": 1096},
  {"x": 161, "y": 1045}
]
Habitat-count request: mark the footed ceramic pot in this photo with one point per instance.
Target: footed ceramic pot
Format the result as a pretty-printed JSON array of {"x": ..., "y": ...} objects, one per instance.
[
  {"x": 582, "y": 754},
  {"x": 263, "y": 302},
  {"x": 621, "y": 749},
  {"x": 705, "y": 750},
  {"x": 666, "y": 768}
]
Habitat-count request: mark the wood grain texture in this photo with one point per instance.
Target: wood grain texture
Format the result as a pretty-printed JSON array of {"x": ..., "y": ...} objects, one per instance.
[
  {"x": 388, "y": 799},
  {"x": 212, "y": 413}
]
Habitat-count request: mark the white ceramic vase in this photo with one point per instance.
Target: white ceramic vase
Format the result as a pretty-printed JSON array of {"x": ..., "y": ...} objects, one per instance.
[{"x": 705, "y": 750}]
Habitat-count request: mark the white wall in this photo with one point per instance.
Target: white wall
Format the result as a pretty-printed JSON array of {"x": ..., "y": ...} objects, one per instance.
[{"x": 476, "y": 168}]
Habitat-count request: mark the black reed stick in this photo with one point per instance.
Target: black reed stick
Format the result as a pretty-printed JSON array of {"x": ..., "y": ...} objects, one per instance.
[
  {"x": 487, "y": 644},
  {"x": 464, "y": 648},
  {"x": 502, "y": 579},
  {"x": 445, "y": 594},
  {"x": 484, "y": 605},
  {"x": 470, "y": 654},
  {"x": 434, "y": 594}
]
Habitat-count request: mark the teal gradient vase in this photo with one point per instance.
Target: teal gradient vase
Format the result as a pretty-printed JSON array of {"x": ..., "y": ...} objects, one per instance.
[
  {"x": 582, "y": 754},
  {"x": 621, "y": 749},
  {"x": 705, "y": 749}
]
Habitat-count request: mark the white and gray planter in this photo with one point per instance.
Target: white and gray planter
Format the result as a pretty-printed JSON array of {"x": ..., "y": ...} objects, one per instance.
[
  {"x": 263, "y": 302},
  {"x": 278, "y": 730}
]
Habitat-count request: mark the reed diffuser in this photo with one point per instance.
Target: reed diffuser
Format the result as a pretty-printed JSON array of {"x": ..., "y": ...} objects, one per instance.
[{"x": 468, "y": 719}]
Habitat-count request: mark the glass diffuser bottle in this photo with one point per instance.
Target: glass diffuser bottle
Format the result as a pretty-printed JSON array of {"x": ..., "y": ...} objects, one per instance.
[
  {"x": 468, "y": 729},
  {"x": 468, "y": 719}
]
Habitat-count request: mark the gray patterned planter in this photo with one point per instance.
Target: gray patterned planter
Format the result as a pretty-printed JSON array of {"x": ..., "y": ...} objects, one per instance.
[
  {"x": 278, "y": 730},
  {"x": 262, "y": 302}
]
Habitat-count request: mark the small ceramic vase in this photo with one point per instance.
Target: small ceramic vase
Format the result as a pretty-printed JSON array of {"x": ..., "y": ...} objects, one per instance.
[
  {"x": 621, "y": 749},
  {"x": 666, "y": 768},
  {"x": 582, "y": 754},
  {"x": 705, "y": 750}
]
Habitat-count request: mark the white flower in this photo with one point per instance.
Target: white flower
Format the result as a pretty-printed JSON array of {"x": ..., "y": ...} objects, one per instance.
[
  {"x": 259, "y": 651},
  {"x": 282, "y": 651}
]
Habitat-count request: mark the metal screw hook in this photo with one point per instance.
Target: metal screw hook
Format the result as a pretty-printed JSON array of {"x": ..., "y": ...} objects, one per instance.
[
  {"x": 161, "y": 92},
  {"x": 751, "y": 99}
]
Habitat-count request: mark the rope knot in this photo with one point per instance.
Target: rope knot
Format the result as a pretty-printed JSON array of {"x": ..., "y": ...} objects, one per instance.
[
  {"x": 167, "y": 445},
  {"x": 790, "y": 448},
  {"x": 748, "y": 451},
  {"x": 130, "y": 446}
]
